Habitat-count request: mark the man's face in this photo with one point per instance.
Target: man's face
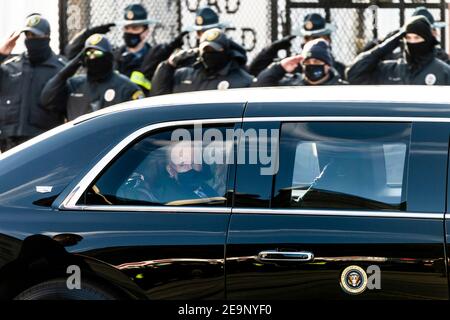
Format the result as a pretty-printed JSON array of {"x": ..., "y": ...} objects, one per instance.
[
  {"x": 311, "y": 77},
  {"x": 182, "y": 159},
  {"x": 414, "y": 38}
]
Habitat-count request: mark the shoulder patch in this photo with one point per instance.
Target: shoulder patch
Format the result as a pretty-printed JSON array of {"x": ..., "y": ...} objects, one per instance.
[{"x": 138, "y": 95}]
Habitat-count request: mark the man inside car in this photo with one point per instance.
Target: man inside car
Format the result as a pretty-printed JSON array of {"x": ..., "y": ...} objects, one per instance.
[{"x": 171, "y": 177}]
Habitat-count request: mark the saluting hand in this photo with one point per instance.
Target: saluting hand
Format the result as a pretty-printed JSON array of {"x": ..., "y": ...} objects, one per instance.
[
  {"x": 283, "y": 44},
  {"x": 180, "y": 56},
  {"x": 103, "y": 29},
  {"x": 291, "y": 63},
  {"x": 7, "y": 48}
]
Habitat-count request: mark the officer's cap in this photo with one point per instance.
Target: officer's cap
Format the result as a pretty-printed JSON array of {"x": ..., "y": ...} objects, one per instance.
[
  {"x": 98, "y": 42},
  {"x": 37, "y": 25},
  {"x": 136, "y": 15},
  {"x": 216, "y": 39},
  {"x": 423, "y": 11},
  {"x": 316, "y": 26},
  {"x": 318, "y": 49},
  {"x": 206, "y": 18}
]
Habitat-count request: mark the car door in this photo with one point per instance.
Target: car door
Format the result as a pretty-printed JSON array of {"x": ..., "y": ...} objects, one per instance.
[
  {"x": 355, "y": 211},
  {"x": 134, "y": 212}
]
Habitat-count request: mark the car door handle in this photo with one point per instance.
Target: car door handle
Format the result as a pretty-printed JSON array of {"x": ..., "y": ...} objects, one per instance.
[{"x": 279, "y": 256}]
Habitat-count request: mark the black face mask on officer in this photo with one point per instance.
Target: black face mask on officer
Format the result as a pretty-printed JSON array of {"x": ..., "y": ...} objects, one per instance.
[
  {"x": 38, "y": 49},
  {"x": 132, "y": 40},
  {"x": 101, "y": 68},
  {"x": 418, "y": 52},
  {"x": 214, "y": 61},
  {"x": 315, "y": 72}
]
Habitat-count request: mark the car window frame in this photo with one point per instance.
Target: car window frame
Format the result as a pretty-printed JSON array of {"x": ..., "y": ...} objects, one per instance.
[
  {"x": 70, "y": 203},
  {"x": 404, "y": 185},
  {"x": 339, "y": 213}
]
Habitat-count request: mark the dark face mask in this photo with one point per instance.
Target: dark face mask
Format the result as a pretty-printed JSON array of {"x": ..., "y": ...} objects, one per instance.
[
  {"x": 132, "y": 40},
  {"x": 214, "y": 61},
  {"x": 417, "y": 52},
  {"x": 192, "y": 179},
  {"x": 315, "y": 72},
  {"x": 99, "y": 69},
  {"x": 38, "y": 49}
]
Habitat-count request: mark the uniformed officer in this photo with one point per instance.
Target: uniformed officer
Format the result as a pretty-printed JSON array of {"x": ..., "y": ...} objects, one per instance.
[
  {"x": 136, "y": 59},
  {"x": 317, "y": 65},
  {"x": 398, "y": 53},
  {"x": 220, "y": 66},
  {"x": 314, "y": 27},
  {"x": 418, "y": 67},
  {"x": 440, "y": 53},
  {"x": 206, "y": 19},
  {"x": 423, "y": 11},
  {"x": 100, "y": 88},
  {"x": 22, "y": 79}
]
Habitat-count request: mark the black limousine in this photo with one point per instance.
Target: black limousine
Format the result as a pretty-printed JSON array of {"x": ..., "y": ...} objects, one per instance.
[{"x": 284, "y": 193}]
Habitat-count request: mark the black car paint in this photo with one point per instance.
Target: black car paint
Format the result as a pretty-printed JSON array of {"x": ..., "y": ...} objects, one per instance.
[{"x": 182, "y": 255}]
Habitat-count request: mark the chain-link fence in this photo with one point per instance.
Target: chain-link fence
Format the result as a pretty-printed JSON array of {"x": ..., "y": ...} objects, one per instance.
[
  {"x": 256, "y": 23},
  {"x": 356, "y": 22}
]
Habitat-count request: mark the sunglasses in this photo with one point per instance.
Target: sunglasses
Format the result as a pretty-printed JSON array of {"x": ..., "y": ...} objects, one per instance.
[{"x": 94, "y": 54}]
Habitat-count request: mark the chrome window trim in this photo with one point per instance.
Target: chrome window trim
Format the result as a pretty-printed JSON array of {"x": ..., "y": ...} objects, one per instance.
[
  {"x": 161, "y": 209},
  {"x": 345, "y": 119},
  {"x": 70, "y": 202},
  {"x": 342, "y": 213}
]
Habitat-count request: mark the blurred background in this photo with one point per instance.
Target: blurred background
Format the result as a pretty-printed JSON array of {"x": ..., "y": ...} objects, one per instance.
[{"x": 253, "y": 23}]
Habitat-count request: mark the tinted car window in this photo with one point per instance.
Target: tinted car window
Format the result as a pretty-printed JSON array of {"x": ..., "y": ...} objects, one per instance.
[
  {"x": 159, "y": 170},
  {"x": 343, "y": 166}
]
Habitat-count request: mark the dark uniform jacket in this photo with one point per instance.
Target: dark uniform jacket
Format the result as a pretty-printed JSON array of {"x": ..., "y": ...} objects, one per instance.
[
  {"x": 21, "y": 114},
  {"x": 168, "y": 79},
  {"x": 79, "y": 96},
  {"x": 371, "y": 68},
  {"x": 276, "y": 76}
]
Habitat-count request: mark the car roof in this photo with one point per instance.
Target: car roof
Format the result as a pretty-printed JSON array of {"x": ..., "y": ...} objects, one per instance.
[
  {"x": 381, "y": 94},
  {"x": 439, "y": 95}
]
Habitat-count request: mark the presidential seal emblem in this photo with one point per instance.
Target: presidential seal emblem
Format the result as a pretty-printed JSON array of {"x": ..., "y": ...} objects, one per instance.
[
  {"x": 430, "y": 79},
  {"x": 354, "y": 280}
]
